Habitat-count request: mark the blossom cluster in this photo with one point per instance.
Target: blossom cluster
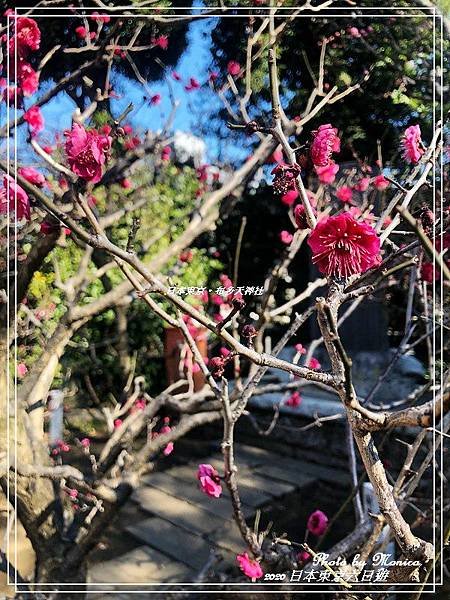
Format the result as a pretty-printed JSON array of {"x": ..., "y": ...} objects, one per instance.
[
  {"x": 343, "y": 244},
  {"x": 25, "y": 40}
]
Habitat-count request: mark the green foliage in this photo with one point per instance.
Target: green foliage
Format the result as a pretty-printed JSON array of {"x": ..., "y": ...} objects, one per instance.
[{"x": 170, "y": 198}]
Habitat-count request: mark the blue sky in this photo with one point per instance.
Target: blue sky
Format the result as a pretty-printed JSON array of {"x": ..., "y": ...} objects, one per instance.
[{"x": 194, "y": 107}]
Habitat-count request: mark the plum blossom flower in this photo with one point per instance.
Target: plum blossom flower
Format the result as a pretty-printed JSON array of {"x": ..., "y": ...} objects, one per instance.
[
  {"x": 176, "y": 76},
  {"x": 217, "y": 363},
  {"x": 10, "y": 93},
  {"x": 168, "y": 449},
  {"x": 314, "y": 364},
  {"x": 342, "y": 246},
  {"x": 327, "y": 174},
  {"x": 412, "y": 144},
  {"x": 155, "y": 100},
  {"x": 289, "y": 197},
  {"x": 233, "y": 68},
  {"x": 354, "y": 32},
  {"x": 193, "y": 84},
  {"x": 22, "y": 369},
  {"x": 95, "y": 16},
  {"x": 35, "y": 120},
  {"x": 27, "y": 78},
  {"x": 362, "y": 185},
  {"x": 249, "y": 566},
  {"x": 117, "y": 423},
  {"x": 303, "y": 556},
  {"x": 17, "y": 199},
  {"x": 209, "y": 480},
  {"x": 28, "y": 35},
  {"x": 225, "y": 281},
  {"x": 317, "y": 522},
  {"x": 294, "y": 400},
  {"x": 380, "y": 182},
  {"x": 32, "y": 176},
  {"x": 81, "y": 32},
  {"x": 345, "y": 194},
  {"x": 325, "y": 142},
  {"x": 125, "y": 183},
  {"x": 165, "y": 153},
  {"x": 162, "y": 41},
  {"x": 87, "y": 152},
  {"x": 187, "y": 256},
  {"x": 300, "y": 349},
  {"x": 63, "y": 446},
  {"x": 284, "y": 178},
  {"x": 85, "y": 442},
  {"x": 286, "y": 237}
]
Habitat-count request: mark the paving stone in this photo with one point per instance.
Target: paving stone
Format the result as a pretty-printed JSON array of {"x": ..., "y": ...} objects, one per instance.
[
  {"x": 228, "y": 538},
  {"x": 177, "y": 511},
  {"x": 217, "y": 462},
  {"x": 251, "y": 494},
  {"x": 320, "y": 471},
  {"x": 190, "y": 492},
  {"x": 253, "y": 455},
  {"x": 261, "y": 481},
  {"x": 286, "y": 473},
  {"x": 141, "y": 565},
  {"x": 188, "y": 548}
]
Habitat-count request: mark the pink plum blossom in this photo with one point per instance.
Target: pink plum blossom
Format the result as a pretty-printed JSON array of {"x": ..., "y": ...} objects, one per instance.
[
  {"x": 294, "y": 400},
  {"x": 35, "y": 120},
  {"x": 162, "y": 41},
  {"x": 22, "y": 370},
  {"x": 325, "y": 142},
  {"x": 17, "y": 199},
  {"x": 345, "y": 194},
  {"x": 168, "y": 449},
  {"x": 412, "y": 144},
  {"x": 300, "y": 349},
  {"x": 233, "y": 68},
  {"x": 327, "y": 174},
  {"x": 313, "y": 363},
  {"x": 362, "y": 185},
  {"x": 317, "y": 522},
  {"x": 28, "y": 35},
  {"x": 380, "y": 182},
  {"x": 249, "y": 566},
  {"x": 87, "y": 152},
  {"x": 209, "y": 480},
  {"x": 27, "y": 78},
  {"x": 286, "y": 237},
  {"x": 32, "y": 176},
  {"x": 342, "y": 246},
  {"x": 289, "y": 197}
]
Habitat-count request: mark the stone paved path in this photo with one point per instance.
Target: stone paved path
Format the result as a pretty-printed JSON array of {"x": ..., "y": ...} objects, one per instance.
[{"x": 184, "y": 525}]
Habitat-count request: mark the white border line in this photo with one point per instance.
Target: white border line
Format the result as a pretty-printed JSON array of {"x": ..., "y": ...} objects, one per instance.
[{"x": 258, "y": 12}]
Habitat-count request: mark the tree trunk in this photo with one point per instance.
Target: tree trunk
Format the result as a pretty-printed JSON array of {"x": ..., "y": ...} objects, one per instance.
[
  {"x": 37, "y": 385},
  {"x": 52, "y": 570}
]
